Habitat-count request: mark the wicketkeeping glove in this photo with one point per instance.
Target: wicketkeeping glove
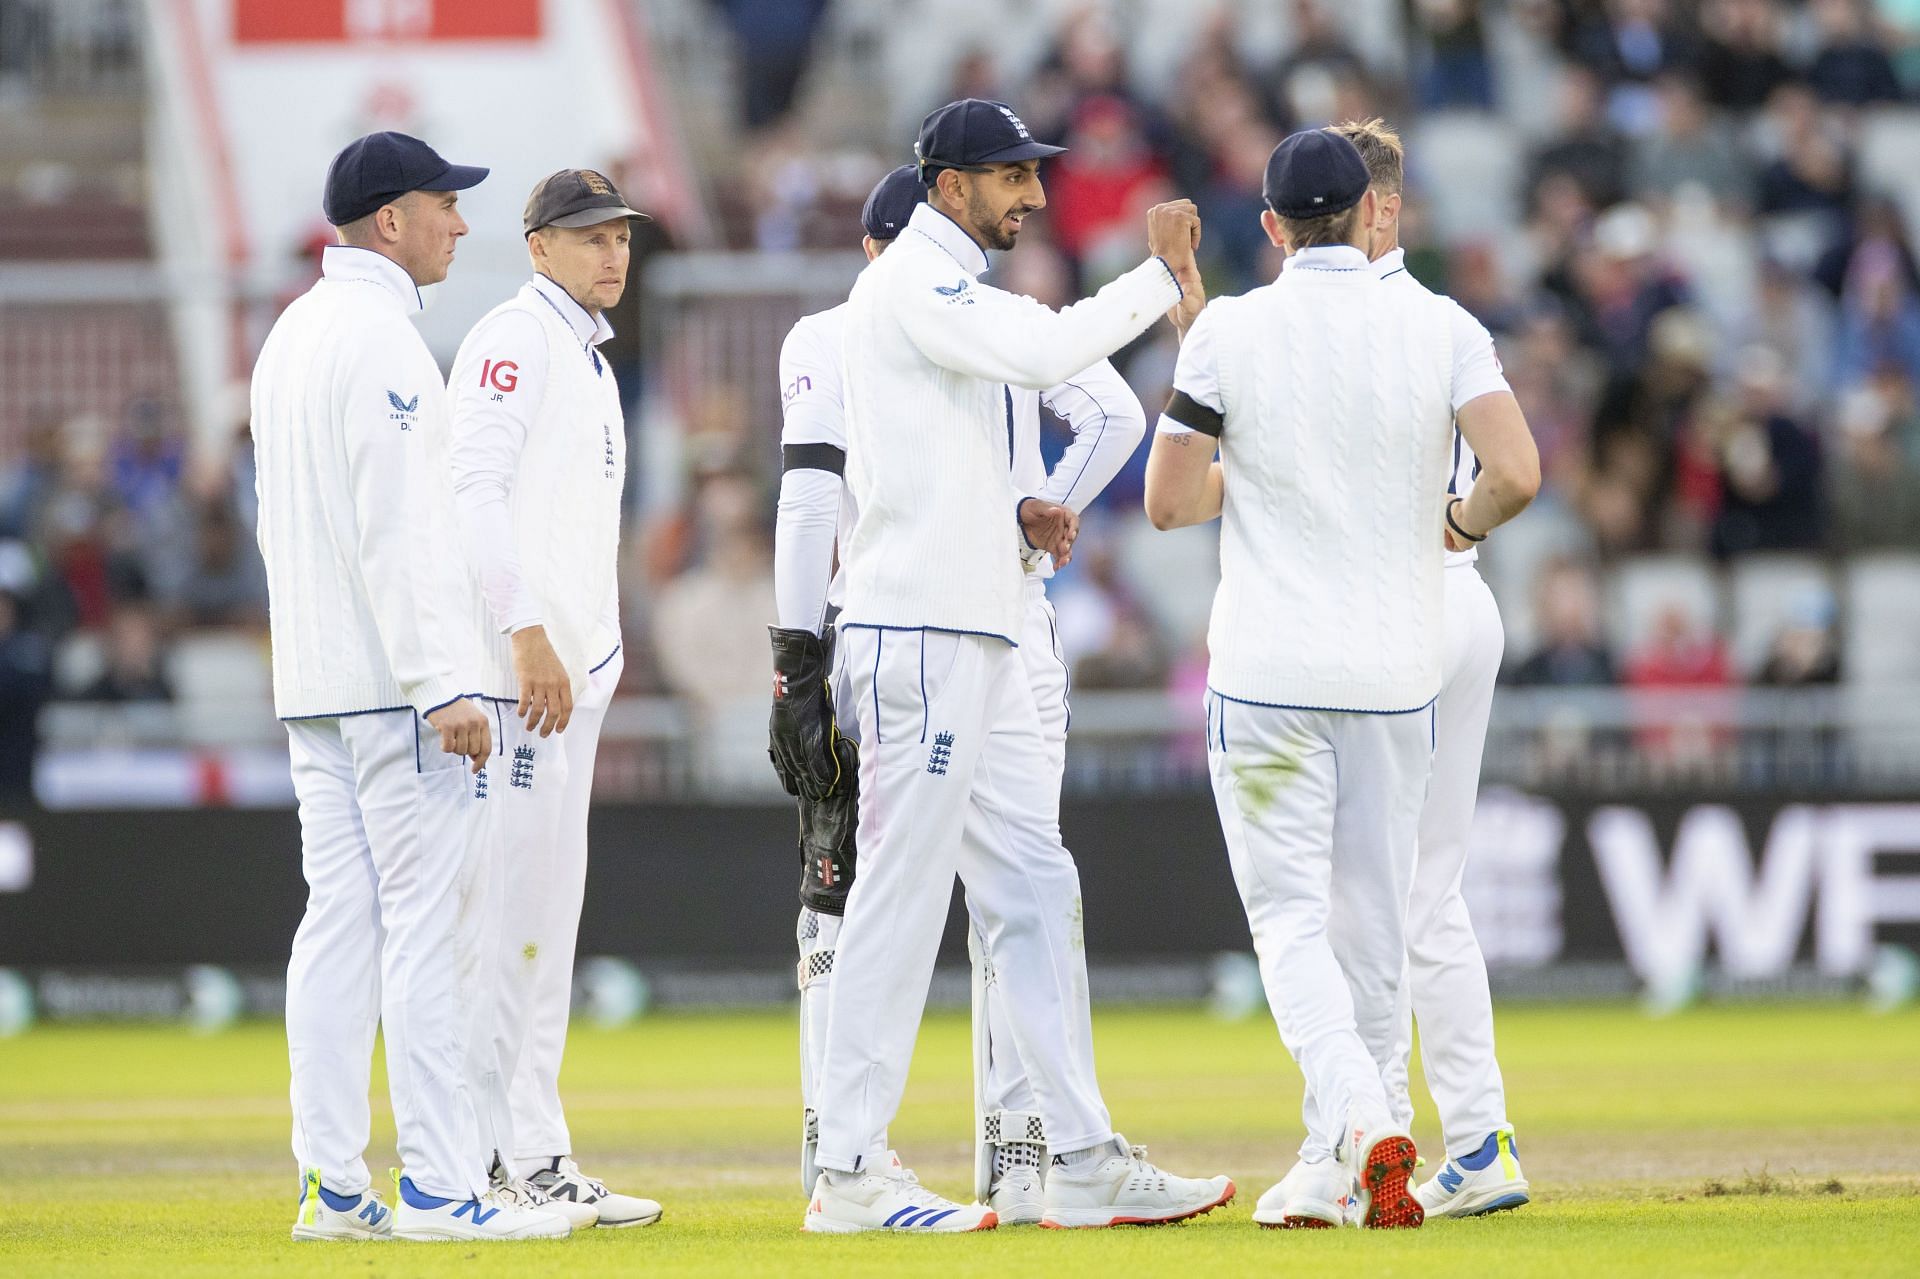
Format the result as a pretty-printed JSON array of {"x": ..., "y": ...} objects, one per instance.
[{"x": 803, "y": 740}]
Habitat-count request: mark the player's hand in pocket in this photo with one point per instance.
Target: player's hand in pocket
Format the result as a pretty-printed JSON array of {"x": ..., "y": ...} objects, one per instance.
[
  {"x": 546, "y": 691},
  {"x": 464, "y": 730}
]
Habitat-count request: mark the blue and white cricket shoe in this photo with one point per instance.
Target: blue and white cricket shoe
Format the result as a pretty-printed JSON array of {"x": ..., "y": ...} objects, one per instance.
[
  {"x": 425, "y": 1218},
  {"x": 1488, "y": 1180},
  {"x": 325, "y": 1215},
  {"x": 888, "y": 1198}
]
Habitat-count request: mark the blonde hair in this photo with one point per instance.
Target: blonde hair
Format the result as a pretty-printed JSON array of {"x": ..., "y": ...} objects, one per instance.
[
  {"x": 1380, "y": 147},
  {"x": 1326, "y": 228}
]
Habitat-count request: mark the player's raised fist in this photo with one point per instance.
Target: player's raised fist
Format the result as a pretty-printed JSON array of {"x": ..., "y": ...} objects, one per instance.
[{"x": 1173, "y": 232}]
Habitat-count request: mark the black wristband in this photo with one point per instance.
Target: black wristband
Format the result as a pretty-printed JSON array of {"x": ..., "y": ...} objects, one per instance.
[{"x": 1454, "y": 525}]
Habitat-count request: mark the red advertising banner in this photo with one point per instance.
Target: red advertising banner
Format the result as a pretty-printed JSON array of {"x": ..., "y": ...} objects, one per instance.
[{"x": 349, "y": 21}]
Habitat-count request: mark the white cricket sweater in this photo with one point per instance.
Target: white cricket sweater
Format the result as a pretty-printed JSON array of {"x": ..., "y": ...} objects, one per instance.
[
  {"x": 539, "y": 458},
  {"x": 1336, "y": 391},
  {"x": 930, "y": 355},
  {"x": 369, "y": 600}
]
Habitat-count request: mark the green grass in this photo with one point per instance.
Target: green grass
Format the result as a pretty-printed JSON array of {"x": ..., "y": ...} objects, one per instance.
[{"x": 1726, "y": 1141}]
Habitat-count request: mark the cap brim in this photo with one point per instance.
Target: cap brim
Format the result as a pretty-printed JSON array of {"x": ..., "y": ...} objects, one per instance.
[
  {"x": 594, "y": 217},
  {"x": 458, "y": 177},
  {"x": 1021, "y": 151}
]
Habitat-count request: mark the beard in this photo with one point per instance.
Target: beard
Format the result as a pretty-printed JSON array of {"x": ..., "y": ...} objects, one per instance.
[{"x": 986, "y": 224}]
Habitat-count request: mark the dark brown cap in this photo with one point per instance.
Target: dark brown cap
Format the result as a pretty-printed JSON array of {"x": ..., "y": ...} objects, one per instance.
[{"x": 575, "y": 197}]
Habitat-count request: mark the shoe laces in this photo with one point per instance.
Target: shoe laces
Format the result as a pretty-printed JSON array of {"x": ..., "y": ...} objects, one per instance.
[
  {"x": 523, "y": 1193},
  {"x": 568, "y": 1168}
]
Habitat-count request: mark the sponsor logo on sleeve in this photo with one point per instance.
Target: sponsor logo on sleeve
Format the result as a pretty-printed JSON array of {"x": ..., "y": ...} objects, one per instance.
[
  {"x": 500, "y": 377},
  {"x": 403, "y": 410}
]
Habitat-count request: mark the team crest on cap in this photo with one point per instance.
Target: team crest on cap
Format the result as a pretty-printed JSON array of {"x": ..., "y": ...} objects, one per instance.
[
  {"x": 595, "y": 184},
  {"x": 1018, "y": 124}
]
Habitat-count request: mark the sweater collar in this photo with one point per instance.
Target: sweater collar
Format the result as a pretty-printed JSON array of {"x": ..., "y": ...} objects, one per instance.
[
  {"x": 1389, "y": 262},
  {"x": 949, "y": 235},
  {"x": 1328, "y": 257},
  {"x": 351, "y": 262},
  {"x": 591, "y": 330}
]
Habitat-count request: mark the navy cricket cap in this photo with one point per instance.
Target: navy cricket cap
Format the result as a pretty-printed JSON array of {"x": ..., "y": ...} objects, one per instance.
[
  {"x": 381, "y": 167},
  {"x": 973, "y": 132},
  {"x": 892, "y": 202},
  {"x": 1313, "y": 173}
]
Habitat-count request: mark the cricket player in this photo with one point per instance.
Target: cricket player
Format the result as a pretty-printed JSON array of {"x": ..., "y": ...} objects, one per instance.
[
  {"x": 808, "y": 738},
  {"x": 1332, "y": 396},
  {"x": 1446, "y": 986},
  {"x": 374, "y": 669},
  {"x": 953, "y": 760},
  {"x": 539, "y": 459}
]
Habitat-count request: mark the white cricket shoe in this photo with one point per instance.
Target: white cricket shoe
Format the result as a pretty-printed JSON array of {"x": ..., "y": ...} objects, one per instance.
[
  {"x": 889, "y": 1198},
  {"x": 1311, "y": 1196},
  {"x": 1018, "y": 1197},
  {"x": 1123, "y": 1189},
  {"x": 325, "y": 1215},
  {"x": 564, "y": 1184},
  {"x": 424, "y": 1218},
  {"x": 1380, "y": 1160},
  {"x": 1488, "y": 1180}
]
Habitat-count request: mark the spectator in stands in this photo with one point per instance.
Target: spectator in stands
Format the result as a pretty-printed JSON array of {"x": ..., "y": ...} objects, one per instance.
[
  {"x": 147, "y": 460},
  {"x": 710, "y": 623},
  {"x": 1811, "y": 175},
  {"x": 1770, "y": 467},
  {"x": 1874, "y": 485},
  {"x": 1879, "y": 319},
  {"x": 1794, "y": 319},
  {"x": 1303, "y": 87},
  {"x": 135, "y": 671},
  {"x": 1621, "y": 286},
  {"x": 32, "y": 478},
  {"x": 226, "y": 583},
  {"x": 88, "y": 537},
  {"x": 1680, "y": 653},
  {"x": 1805, "y": 651},
  {"x": 1093, "y": 188},
  {"x": 1740, "y": 65},
  {"x": 1584, "y": 144},
  {"x": 1559, "y": 382},
  {"x": 1629, "y": 44},
  {"x": 26, "y": 674},
  {"x": 775, "y": 39},
  {"x": 1234, "y": 251},
  {"x": 1450, "y": 52},
  {"x": 1850, "y": 69},
  {"x": 1571, "y": 652},
  {"x": 1687, "y": 146}
]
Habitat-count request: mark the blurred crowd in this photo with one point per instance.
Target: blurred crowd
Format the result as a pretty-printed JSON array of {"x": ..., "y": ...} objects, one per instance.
[
  {"x": 1679, "y": 219},
  {"x": 1705, "y": 296}
]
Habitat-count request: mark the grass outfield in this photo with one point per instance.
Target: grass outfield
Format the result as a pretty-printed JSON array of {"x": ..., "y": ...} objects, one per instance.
[{"x": 1733, "y": 1141}]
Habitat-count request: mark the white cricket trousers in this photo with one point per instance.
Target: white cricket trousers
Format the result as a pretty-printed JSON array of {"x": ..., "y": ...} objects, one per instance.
[
  {"x": 1007, "y": 1086},
  {"x": 541, "y": 790},
  {"x": 1321, "y": 811},
  {"x": 953, "y": 779},
  {"x": 395, "y": 857},
  {"x": 1446, "y": 988}
]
